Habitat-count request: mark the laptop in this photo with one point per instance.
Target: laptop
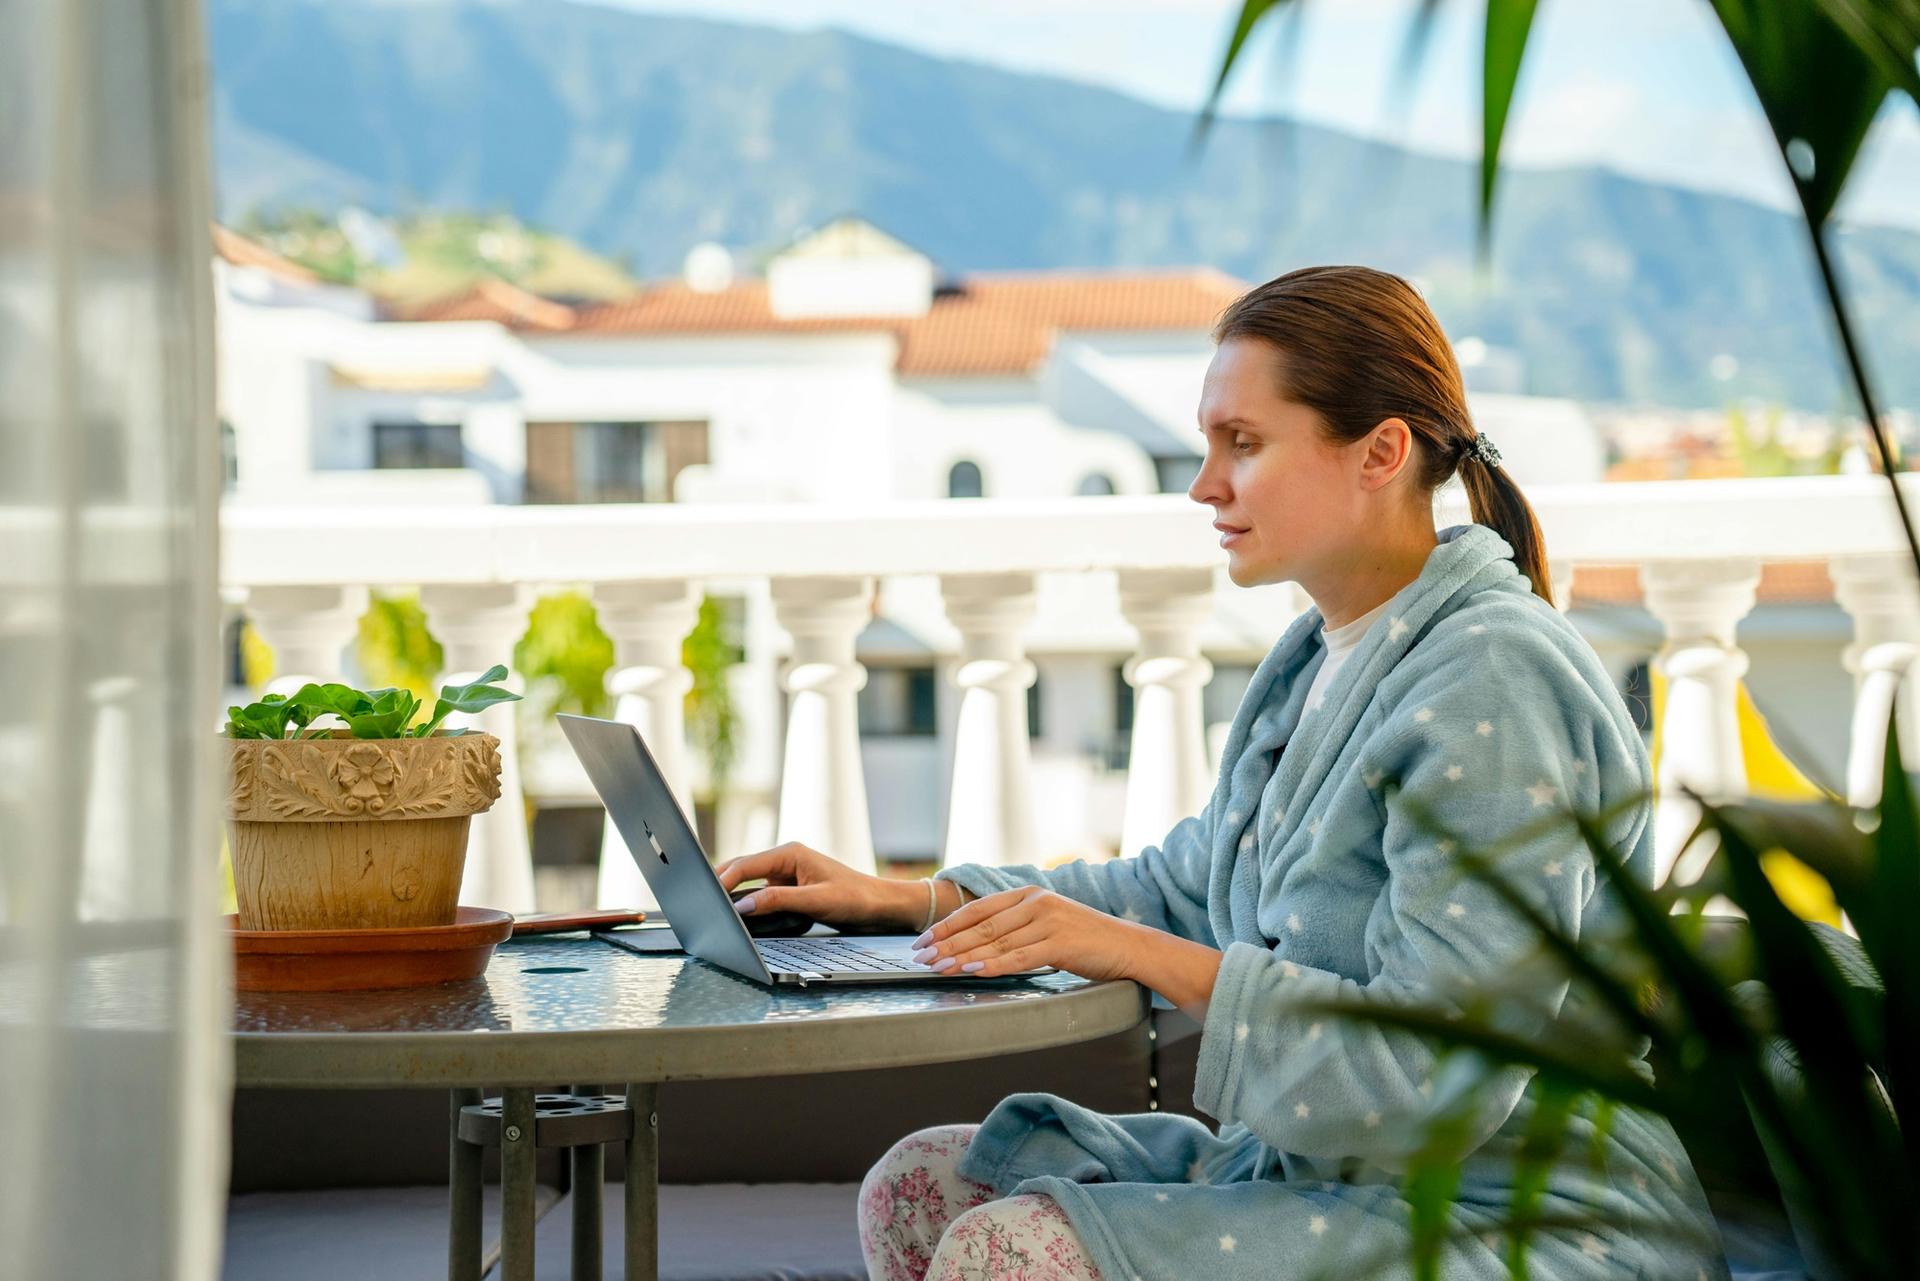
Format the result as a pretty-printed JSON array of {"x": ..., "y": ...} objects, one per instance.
[{"x": 662, "y": 841}]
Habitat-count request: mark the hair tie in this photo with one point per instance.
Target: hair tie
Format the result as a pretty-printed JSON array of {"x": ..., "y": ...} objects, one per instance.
[{"x": 1482, "y": 448}]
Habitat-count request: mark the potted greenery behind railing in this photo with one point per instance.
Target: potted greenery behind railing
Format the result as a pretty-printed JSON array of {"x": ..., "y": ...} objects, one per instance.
[{"x": 1784, "y": 1051}]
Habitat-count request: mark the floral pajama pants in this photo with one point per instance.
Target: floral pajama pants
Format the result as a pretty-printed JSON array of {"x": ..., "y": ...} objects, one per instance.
[{"x": 920, "y": 1221}]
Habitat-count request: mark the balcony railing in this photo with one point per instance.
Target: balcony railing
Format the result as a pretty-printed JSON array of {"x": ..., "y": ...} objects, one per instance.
[{"x": 302, "y": 576}]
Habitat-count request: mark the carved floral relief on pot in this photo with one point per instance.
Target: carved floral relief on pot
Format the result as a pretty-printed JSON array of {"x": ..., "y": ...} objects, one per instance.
[{"x": 331, "y": 779}]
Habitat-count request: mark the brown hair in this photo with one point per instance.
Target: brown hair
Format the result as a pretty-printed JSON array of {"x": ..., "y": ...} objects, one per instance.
[{"x": 1359, "y": 346}]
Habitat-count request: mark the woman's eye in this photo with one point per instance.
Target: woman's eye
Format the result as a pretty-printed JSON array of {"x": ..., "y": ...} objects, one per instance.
[{"x": 1242, "y": 446}]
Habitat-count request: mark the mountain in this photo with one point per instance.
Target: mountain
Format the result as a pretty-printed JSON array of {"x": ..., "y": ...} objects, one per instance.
[{"x": 640, "y": 135}]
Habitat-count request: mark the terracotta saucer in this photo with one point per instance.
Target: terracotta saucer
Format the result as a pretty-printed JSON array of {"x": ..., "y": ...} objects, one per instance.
[{"x": 342, "y": 960}]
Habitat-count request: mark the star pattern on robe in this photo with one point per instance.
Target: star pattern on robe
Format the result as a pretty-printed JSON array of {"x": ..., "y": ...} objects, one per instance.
[
  {"x": 1444, "y": 845},
  {"x": 1578, "y": 767},
  {"x": 1478, "y": 629},
  {"x": 1422, "y": 716},
  {"x": 1289, "y": 970},
  {"x": 1293, "y": 923},
  {"x": 1592, "y": 1246},
  {"x": 1371, "y": 1120},
  {"x": 1313, "y": 828},
  {"x": 1453, "y": 773},
  {"x": 1317, "y": 1225},
  {"x": 1246, "y": 842},
  {"x": 1456, "y": 911},
  {"x": 1302, "y": 1111},
  {"x": 1542, "y": 793},
  {"x": 1160, "y": 1196},
  {"x": 1196, "y": 1173},
  {"x": 1242, "y": 1031},
  {"x": 1372, "y": 777},
  {"x": 1483, "y": 729},
  {"x": 1132, "y": 914},
  {"x": 1426, "y": 1089},
  {"x": 1226, "y": 1244},
  {"x": 1313, "y": 1031},
  {"x": 1396, "y": 628},
  {"x": 1552, "y": 868}
]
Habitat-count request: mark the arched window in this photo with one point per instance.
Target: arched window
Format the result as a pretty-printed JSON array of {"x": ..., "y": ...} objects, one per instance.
[
  {"x": 1095, "y": 484},
  {"x": 964, "y": 481}
]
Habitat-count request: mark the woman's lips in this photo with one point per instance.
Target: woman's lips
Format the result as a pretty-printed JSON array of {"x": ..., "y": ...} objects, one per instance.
[{"x": 1229, "y": 534}]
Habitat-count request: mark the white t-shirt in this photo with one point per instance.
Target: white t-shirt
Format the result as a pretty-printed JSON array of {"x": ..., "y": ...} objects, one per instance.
[{"x": 1340, "y": 643}]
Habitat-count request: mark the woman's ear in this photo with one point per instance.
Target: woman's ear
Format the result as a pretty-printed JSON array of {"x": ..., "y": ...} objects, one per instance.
[{"x": 1389, "y": 448}]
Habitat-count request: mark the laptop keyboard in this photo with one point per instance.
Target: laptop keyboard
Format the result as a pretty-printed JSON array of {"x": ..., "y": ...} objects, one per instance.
[{"x": 826, "y": 954}]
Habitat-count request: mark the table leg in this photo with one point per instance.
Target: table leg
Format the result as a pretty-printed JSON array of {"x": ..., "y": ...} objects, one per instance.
[
  {"x": 643, "y": 1185},
  {"x": 464, "y": 1163},
  {"x": 589, "y": 1169},
  {"x": 516, "y": 1184}
]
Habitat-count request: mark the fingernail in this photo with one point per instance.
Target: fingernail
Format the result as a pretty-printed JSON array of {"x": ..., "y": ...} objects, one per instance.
[
  {"x": 971, "y": 966},
  {"x": 924, "y": 939},
  {"x": 943, "y": 963},
  {"x": 743, "y": 904},
  {"x": 924, "y": 955}
]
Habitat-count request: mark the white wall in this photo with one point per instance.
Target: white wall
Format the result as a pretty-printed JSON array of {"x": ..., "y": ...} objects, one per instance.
[{"x": 1021, "y": 446}]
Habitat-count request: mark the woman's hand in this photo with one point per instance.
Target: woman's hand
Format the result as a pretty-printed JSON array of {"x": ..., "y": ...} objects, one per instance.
[
  {"x": 806, "y": 881},
  {"x": 1020, "y": 929}
]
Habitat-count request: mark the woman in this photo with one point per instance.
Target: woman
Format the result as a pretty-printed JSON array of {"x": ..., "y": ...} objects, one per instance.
[{"x": 1332, "y": 410}]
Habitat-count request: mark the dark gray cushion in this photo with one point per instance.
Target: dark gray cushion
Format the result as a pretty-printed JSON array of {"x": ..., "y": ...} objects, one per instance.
[{"x": 728, "y": 1232}]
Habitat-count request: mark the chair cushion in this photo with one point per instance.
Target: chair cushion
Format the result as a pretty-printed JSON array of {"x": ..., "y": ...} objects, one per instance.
[
  {"x": 727, "y": 1232},
  {"x": 366, "y": 1234}
]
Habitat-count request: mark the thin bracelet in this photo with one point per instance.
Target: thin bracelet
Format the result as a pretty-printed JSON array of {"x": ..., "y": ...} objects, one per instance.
[{"x": 932, "y": 903}]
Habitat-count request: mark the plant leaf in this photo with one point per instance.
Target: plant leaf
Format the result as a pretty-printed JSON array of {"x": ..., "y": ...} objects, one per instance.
[
  {"x": 1251, "y": 13},
  {"x": 1819, "y": 88},
  {"x": 339, "y": 700},
  {"x": 474, "y": 696},
  {"x": 1508, "y": 24}
]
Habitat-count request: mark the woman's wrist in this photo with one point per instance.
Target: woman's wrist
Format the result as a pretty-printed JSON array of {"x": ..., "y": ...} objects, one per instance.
[{"x": 1178, "y": 969}]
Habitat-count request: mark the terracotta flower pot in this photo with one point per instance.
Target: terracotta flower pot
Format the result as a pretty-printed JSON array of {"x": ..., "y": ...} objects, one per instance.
[{"x": 354, "y": 833}]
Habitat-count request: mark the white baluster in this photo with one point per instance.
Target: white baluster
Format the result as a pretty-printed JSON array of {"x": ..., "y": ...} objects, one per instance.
[
  {"x": 1880, "y": 594},
  {"x": 647, "y": 621},
  {"x": 308, "y": 628},
  {"x": 1167, "y": 774},
  {"x": 823, "y": 789},
  {"x": 477, "y": 626},
  {"x": 990, "y": 802},
  {"x": 1699, "y": 605}
]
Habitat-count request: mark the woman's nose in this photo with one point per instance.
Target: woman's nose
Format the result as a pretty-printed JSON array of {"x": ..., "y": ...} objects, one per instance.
[{"x": 1207, "y": 488}]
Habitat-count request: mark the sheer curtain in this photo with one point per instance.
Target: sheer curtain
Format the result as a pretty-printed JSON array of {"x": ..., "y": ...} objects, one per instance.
[{"x": 113, "y": 979}]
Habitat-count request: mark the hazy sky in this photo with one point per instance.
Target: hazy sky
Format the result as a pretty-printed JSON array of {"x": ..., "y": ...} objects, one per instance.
[{"x": 1645, "y": 86}]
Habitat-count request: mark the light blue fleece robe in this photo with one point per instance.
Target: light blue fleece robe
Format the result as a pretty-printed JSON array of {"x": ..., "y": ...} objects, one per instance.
[{"x": 1482, "y": 700}]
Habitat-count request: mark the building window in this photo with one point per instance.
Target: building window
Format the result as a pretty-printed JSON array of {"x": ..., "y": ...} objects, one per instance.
[
  {"x": 899, "y": 702},
  {"x": 1176, "y": 474},
  {"x": 1095, "y": 485},
  {"x": 964, "y": 481},
  {"x": 412, "y": 445},
  {"x": 635, "y": 462}
]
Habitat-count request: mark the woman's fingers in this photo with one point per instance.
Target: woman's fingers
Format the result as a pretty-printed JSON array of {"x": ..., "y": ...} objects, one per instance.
[
  {"x": 994, "y": 917},
  {"x": 1008, "y": 954},
  {"x": 751, "y": 867}
]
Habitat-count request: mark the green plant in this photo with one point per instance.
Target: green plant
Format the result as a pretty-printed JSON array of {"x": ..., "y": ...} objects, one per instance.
[
  {"x": 380, "y": 713},
  {"x": 712, "y": 722}
]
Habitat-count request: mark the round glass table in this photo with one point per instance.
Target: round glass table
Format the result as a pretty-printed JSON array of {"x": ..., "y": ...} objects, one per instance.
[{"x": 573, "y": 1008}]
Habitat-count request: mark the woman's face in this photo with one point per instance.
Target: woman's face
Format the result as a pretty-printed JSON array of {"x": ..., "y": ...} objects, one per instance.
[{"x": 1291, "y": 507}]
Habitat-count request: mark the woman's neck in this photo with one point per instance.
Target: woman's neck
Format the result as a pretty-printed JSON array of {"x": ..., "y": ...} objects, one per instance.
[{"x": 1374, "y": 577}]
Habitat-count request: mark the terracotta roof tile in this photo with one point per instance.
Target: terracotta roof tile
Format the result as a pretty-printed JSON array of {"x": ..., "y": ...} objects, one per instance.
[
  {"x": 500, "y": 302},
  {"x": 991, "y": 324},
  {"x": 242, "y": 252}
]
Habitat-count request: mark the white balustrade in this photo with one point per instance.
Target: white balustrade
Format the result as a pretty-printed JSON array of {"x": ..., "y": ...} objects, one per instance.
[
  {"x": 647, "y": 621},
  {"x": 477, "y": 626},
  {"x": 1699, "y": 545},
  {"x": 1167, "y": 774},
  {"x": 990, "y": 803},
  {"x": 1699, "y": 605},
  {"x": 1880, "y": 594},
  {"x": 309, "y": 627},
  {"x": 823, "y": 789}
]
